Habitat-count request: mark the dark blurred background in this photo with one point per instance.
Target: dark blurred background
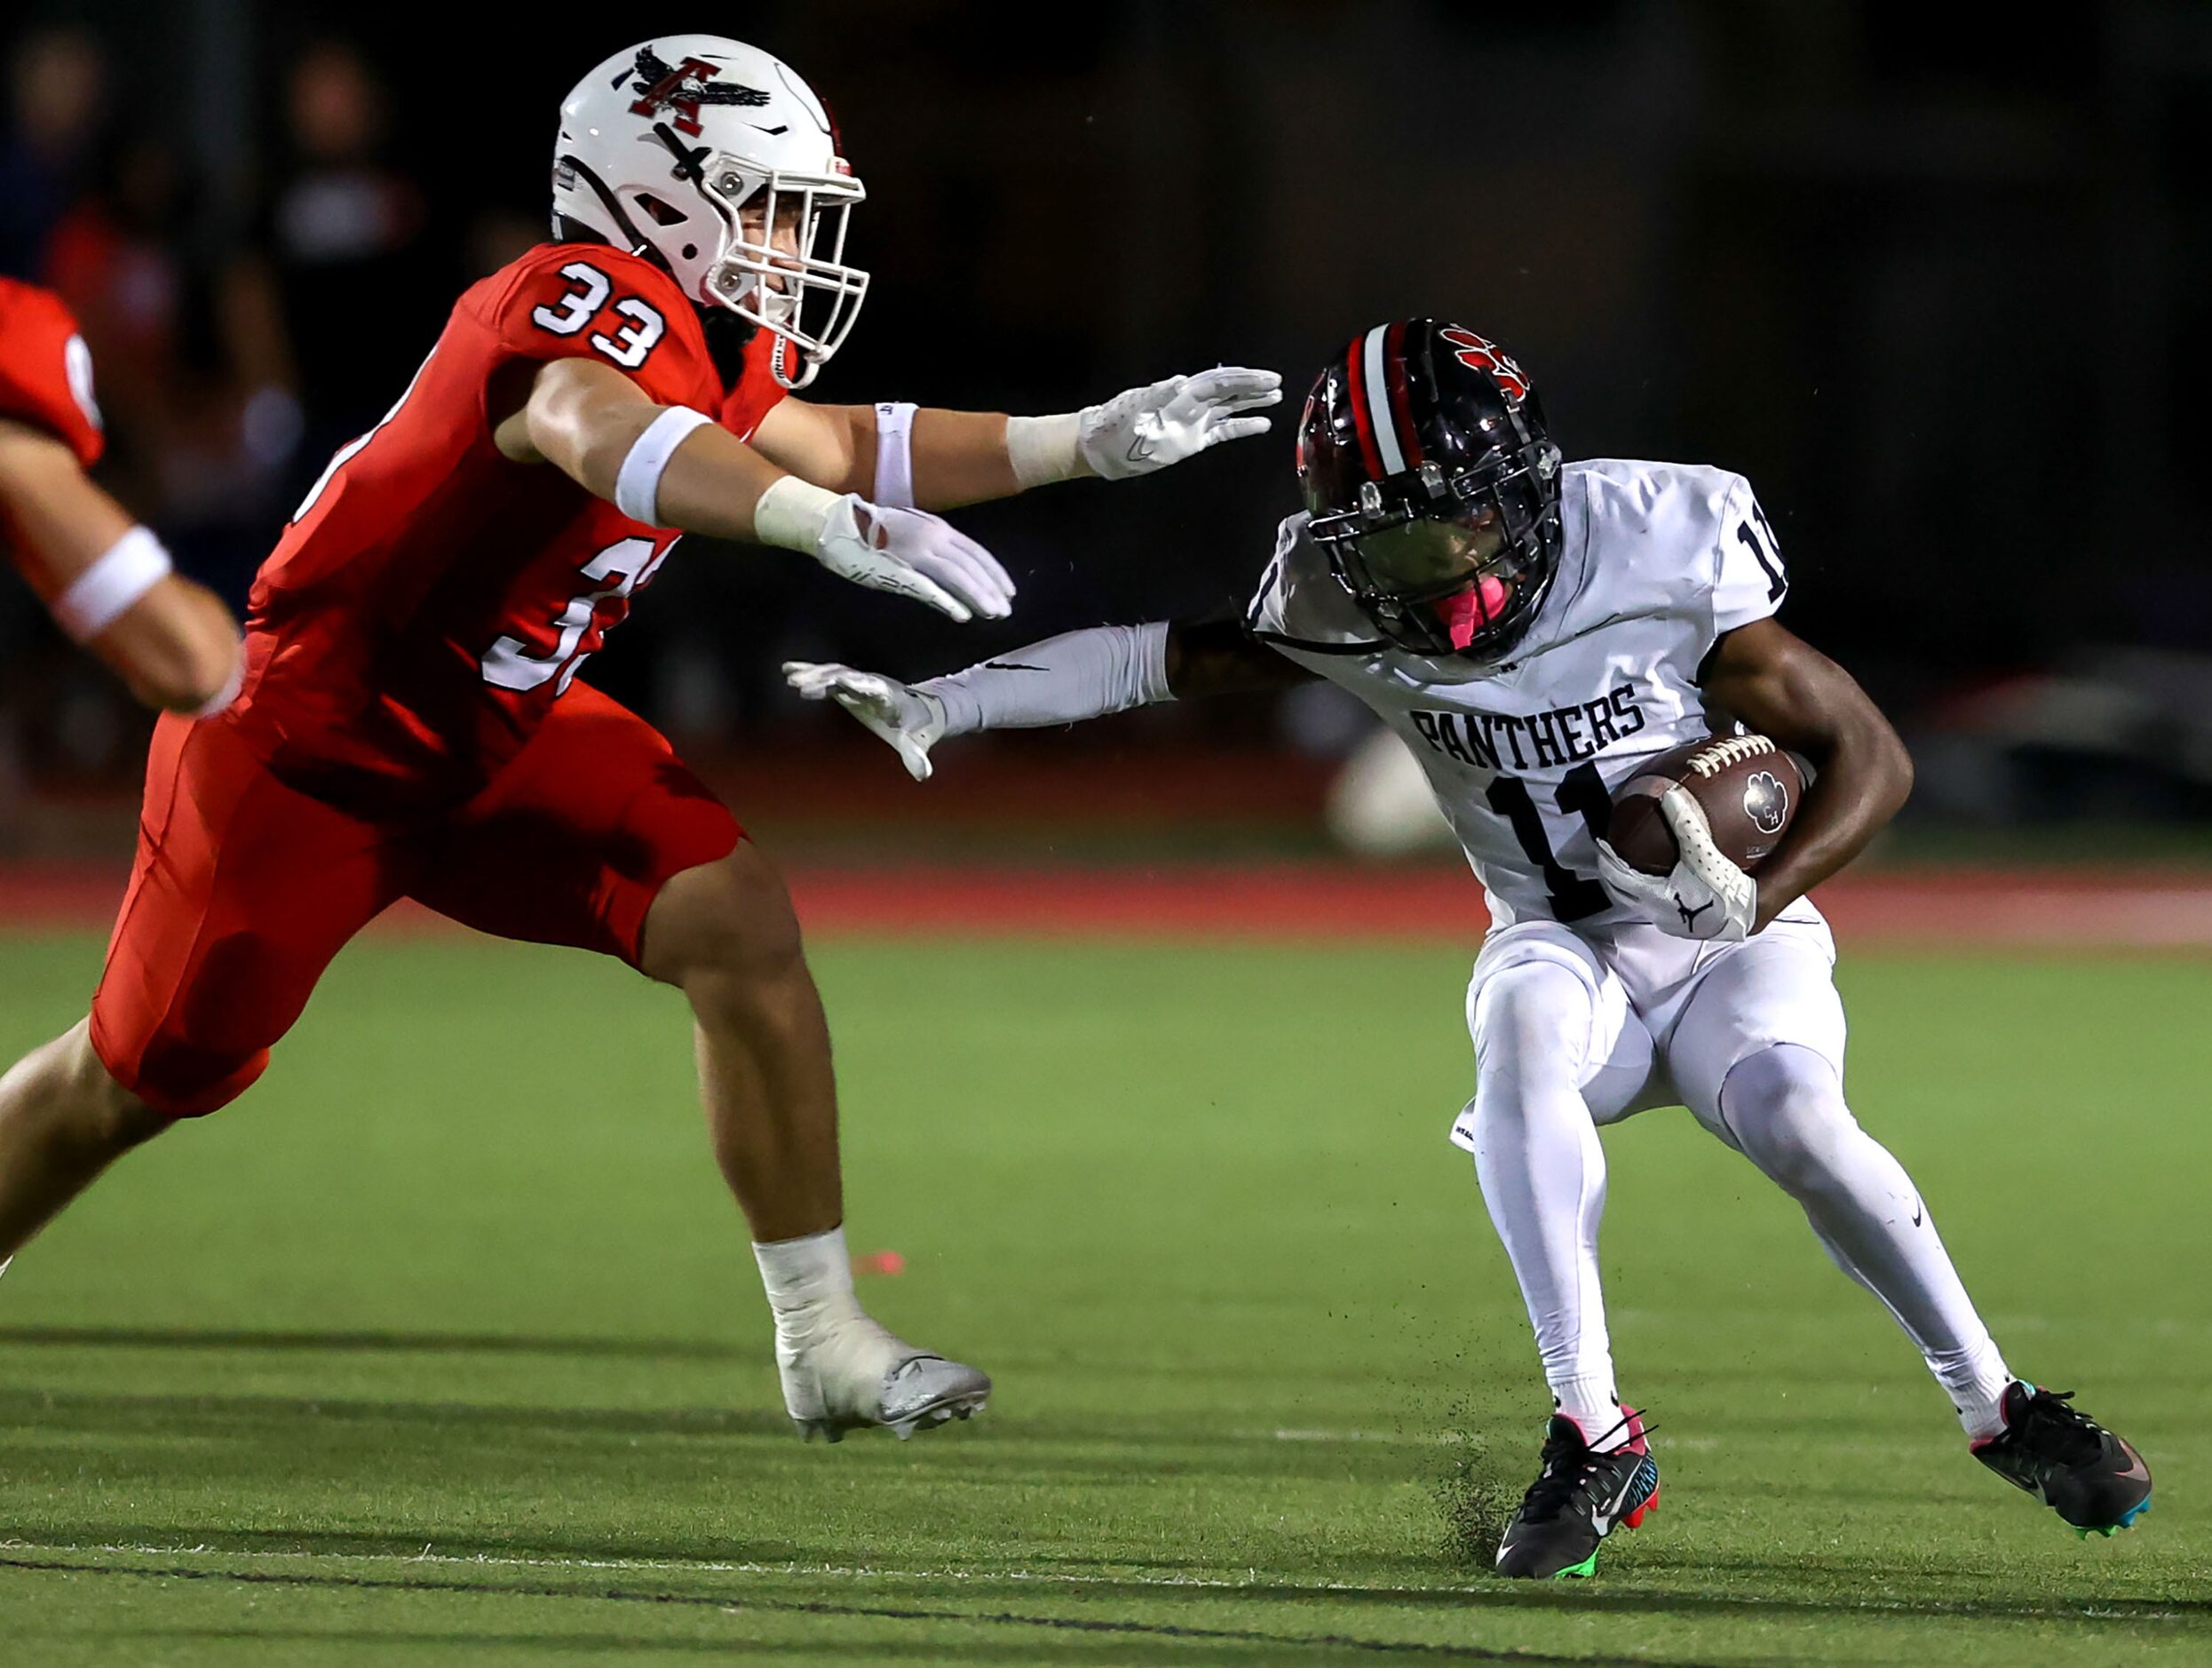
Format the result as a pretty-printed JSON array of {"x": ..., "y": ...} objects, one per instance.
[{"x": 1935, "y": 280}]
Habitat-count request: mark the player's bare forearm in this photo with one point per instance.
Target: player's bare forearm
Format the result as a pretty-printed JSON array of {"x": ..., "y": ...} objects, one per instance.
[
  {"x": 58, "y": 520},
  {"x": 1221, "y": 657},
  {"x": 583, "y": 418},
  {"x": 175, "y": 646},
  {"x": 960, "y": 458},
  {"x": 1783, "y": 687},
  {"x": 957, "y": 457},
  {"x": 671, "y": 467}
]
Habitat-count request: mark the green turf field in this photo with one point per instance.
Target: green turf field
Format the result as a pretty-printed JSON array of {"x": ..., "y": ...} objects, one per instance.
[{"x": 444, "y": 1345}]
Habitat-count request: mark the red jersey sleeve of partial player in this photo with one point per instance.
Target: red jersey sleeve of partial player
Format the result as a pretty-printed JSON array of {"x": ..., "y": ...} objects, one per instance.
[
  {"x": 581, "y": 301},
  {"x": 46, "y": 371},
  {"x": 758, "y": 389}
]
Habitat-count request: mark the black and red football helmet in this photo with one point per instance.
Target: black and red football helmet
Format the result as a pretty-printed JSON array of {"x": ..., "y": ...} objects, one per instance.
[{"x": 1433, "y": 485}]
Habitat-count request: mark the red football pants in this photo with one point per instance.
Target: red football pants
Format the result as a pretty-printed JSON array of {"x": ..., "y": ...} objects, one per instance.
[{"x": 244, "y": 889}]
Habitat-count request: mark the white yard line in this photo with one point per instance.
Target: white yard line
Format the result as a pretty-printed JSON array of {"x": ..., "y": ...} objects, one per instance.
[{"x": 1252, "y": 1581}]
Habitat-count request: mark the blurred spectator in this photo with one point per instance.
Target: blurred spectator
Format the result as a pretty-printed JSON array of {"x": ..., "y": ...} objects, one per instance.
[
  {"x": 188, "y": 440},
  {"x": 114, "y": 257},
  {"x": 54, "y": 82},
  {"x": 352, "y": 276}
]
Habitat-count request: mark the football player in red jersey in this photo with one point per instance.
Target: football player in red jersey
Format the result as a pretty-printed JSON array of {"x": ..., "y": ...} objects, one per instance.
[
  {"x": 107, "y": 579},
  {"x": 410, "y": 725}
]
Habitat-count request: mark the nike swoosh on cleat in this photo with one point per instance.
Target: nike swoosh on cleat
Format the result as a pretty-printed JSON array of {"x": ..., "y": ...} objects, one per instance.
[
  {"x": 1604, "y": 1518},
  {"x": 2136, "y": 1472}
]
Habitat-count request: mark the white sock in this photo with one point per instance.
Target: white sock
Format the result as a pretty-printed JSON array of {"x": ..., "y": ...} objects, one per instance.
[
  {"x": 1785, "y": 1109},
  {"x": 1976, "y": 1377},
  {"x": 1595, "y": 1411},
  {"x": 808, "y": 1280}
]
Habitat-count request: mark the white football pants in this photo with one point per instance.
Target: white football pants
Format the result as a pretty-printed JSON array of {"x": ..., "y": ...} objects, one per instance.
[{"x": 1572, "y": 1032}]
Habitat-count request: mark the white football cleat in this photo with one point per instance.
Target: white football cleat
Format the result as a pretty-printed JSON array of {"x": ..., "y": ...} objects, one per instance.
[{"x": 855, "y": 1375}]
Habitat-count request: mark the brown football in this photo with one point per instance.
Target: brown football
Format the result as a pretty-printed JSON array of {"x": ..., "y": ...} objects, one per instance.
[{"x": 1748, "y": 786}]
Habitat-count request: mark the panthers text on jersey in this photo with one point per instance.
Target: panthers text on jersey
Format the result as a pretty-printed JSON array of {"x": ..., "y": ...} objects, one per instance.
[
  {"x": 1657, "y": 561},
  {"x": 432, "y": 598}
]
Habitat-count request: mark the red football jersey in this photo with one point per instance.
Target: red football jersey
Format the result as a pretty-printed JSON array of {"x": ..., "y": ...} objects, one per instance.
[
  {"x": 46, "y": 371},
  {"x": 432, "y": 598}
]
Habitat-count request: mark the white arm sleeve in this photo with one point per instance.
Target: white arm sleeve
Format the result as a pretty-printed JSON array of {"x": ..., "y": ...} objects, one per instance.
[
  {"x": 1061, "y": 680},
  {"x": 895, "y": 456}
]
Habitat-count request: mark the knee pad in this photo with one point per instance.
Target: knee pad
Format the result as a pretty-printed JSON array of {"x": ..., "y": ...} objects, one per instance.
[
  {"x": 1784, "y": 1106},
  {"x": 1535, "y": 1018}
]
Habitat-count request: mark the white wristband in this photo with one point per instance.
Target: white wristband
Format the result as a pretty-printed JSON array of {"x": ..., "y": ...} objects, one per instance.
[
  {"x": 637, "y": 482},
  {"x": 791, "y": 514},
  {"x": 1043, "y": 449},
  {"x": 895, "y": 456},
  {"x": 119, "y": 575}
]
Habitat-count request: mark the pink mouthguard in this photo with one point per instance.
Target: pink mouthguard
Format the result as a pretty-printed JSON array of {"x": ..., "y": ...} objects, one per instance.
[{"x": 1469, "y": 611}]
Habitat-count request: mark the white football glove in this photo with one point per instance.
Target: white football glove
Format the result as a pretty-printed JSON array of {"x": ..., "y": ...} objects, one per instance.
[
  {"x": 1706, "y": 897},
  {"x": 911, "y": 721},
  {"x": 1145, "y": 429},
  {"x": 913, "y": 553}
]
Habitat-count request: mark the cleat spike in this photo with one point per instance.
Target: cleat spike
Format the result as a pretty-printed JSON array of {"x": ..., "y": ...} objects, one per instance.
[{"x": 1577, "y": 1572}]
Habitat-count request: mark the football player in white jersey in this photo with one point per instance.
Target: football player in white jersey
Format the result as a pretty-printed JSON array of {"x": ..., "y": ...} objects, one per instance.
[{"x": 1534, "y": 629}]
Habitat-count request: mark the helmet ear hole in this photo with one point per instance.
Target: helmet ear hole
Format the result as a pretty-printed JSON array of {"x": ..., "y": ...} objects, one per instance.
[
  {"x": 662, "y": 213},
  {"x": 691, "y": 251}
]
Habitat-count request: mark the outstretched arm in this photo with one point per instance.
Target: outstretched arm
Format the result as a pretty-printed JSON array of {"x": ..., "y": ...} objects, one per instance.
[
  {"x": 108, "y": 580},
  {"x": 1061, "y": 680},
  {"x": 671, "y": 466},
  {"x": 1783, "y": 687},
  {"x": 940, "y": 460}
]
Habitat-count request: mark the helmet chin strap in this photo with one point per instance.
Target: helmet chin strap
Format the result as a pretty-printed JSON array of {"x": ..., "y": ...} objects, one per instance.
[{"x": 636, "y": 240}]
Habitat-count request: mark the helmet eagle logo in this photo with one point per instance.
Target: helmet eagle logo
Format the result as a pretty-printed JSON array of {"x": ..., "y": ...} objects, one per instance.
[
  {"x": 1478, "y": 353},
  {"x": 682, "y": 88}
]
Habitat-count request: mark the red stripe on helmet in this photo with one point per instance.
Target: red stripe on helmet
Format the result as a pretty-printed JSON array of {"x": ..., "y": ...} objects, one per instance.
[
  {"x": 1361, "y": 419},
  {"x": 1400, "y": 396}
]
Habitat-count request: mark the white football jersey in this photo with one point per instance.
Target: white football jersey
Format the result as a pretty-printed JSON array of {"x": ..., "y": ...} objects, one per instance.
[{"x": 1656, "y": 562}]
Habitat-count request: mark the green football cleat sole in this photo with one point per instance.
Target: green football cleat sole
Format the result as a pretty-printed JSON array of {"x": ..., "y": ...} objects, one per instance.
[
  {"x": 1575, "y": 1572},
  {"x": 2110, "y": 1530}
]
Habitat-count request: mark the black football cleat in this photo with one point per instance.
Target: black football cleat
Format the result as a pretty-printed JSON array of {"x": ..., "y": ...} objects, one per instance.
[
  {"x": 1576, "y": 1499},
  {"x": 2092, "y": 1478}
]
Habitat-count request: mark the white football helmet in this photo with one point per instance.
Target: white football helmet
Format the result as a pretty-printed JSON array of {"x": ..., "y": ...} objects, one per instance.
[{"x": 697, "y": 150}]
